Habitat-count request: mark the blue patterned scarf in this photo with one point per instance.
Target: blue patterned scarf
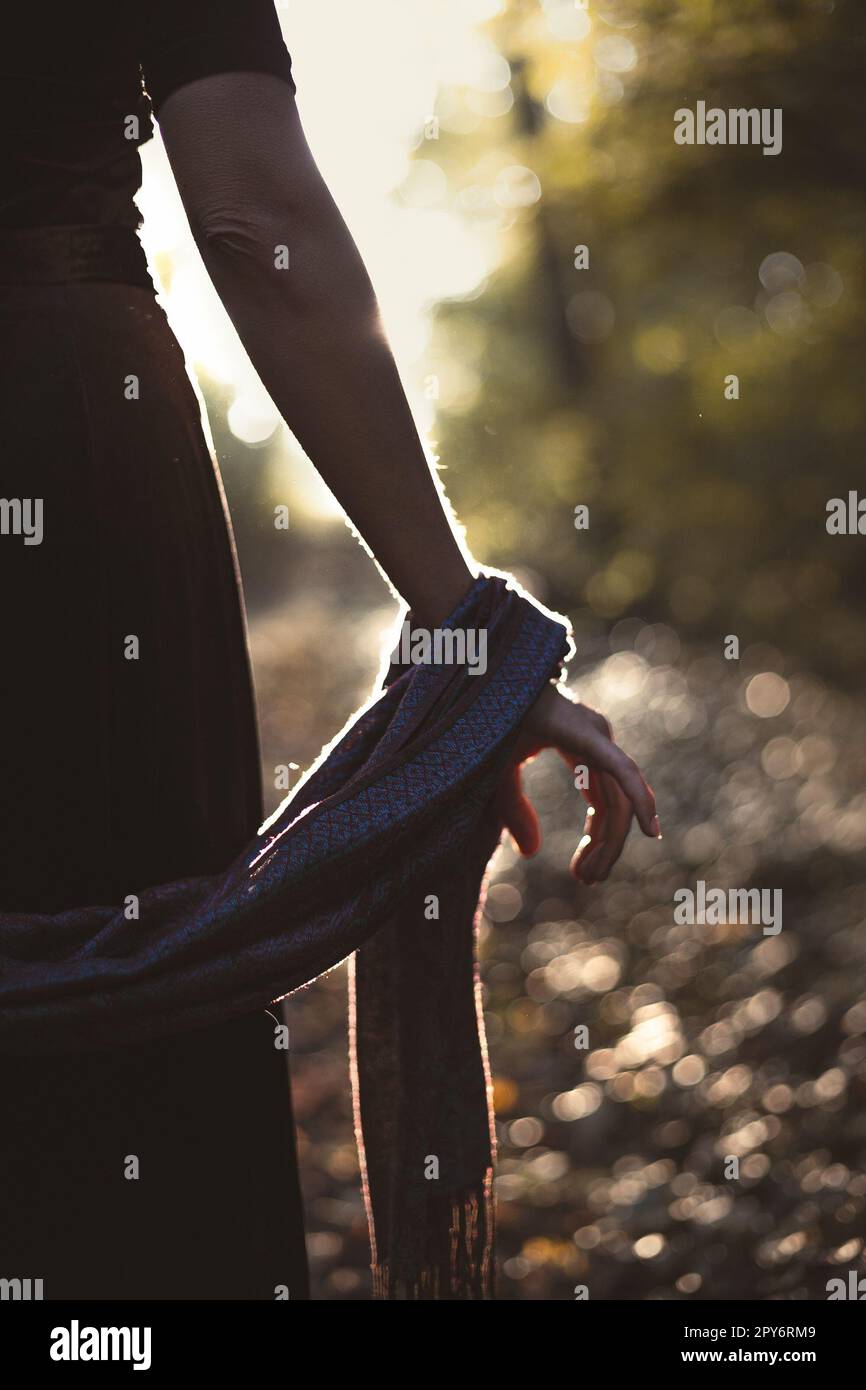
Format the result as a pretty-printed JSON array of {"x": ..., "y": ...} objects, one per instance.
[{"x": 381, "y": 850}]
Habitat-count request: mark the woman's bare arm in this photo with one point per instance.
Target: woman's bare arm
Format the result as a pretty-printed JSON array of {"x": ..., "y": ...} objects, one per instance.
[{"x": 250, "y": 185}]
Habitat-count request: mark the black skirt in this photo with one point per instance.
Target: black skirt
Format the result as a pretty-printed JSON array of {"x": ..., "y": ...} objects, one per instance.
[{"x": 129, "y": 757}]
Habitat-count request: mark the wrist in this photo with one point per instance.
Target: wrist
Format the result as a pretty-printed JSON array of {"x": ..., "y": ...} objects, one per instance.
[{"x": 430, "y": 608}]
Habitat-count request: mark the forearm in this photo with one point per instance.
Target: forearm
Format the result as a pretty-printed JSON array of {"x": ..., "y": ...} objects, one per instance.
[
  {"x": 321, "y": 355},
  {"x": 312, "y": 331}
]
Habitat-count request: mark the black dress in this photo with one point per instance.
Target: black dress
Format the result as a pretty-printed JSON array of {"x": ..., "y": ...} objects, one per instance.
[{"x": 129, "y": 746}]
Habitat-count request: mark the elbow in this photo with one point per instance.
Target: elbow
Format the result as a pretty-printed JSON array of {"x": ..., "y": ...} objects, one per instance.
[
  {"x": 269, "y": 247},
  {"x": 245, "y": 238}
]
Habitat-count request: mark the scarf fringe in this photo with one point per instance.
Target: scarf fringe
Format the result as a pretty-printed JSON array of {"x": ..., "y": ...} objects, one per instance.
[{"x": 456, "y": 1262}]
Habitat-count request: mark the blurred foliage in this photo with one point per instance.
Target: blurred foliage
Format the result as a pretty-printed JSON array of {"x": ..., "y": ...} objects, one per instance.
[{"x": 605, "y": 386}]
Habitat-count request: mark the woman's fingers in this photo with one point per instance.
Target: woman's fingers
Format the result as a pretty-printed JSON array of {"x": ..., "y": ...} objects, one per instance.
[
  {"x": 518, "y": 813},
  {"x": 591, "y": 740},
  {"x": 608, "y": 834},
  {"x": 593, "y": 832},
  {"x": 615, "y": 788}
]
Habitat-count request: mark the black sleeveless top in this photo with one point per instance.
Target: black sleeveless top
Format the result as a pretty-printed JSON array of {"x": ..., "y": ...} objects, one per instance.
[{"x": 80, "y": 81}]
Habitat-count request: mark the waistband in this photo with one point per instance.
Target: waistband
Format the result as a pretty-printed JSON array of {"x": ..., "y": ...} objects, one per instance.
[{"x": 57, "y": 255}]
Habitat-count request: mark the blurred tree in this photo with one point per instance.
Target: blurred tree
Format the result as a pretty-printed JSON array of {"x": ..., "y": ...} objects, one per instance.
[{"x": 609, "y": 385}]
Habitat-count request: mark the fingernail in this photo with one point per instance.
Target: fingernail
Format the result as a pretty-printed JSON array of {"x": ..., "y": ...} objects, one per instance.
[{"x": 655, "y": 827}]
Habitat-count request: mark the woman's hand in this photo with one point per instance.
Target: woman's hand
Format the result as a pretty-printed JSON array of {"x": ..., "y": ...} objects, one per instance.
[{"x": 617, "y": 789}]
